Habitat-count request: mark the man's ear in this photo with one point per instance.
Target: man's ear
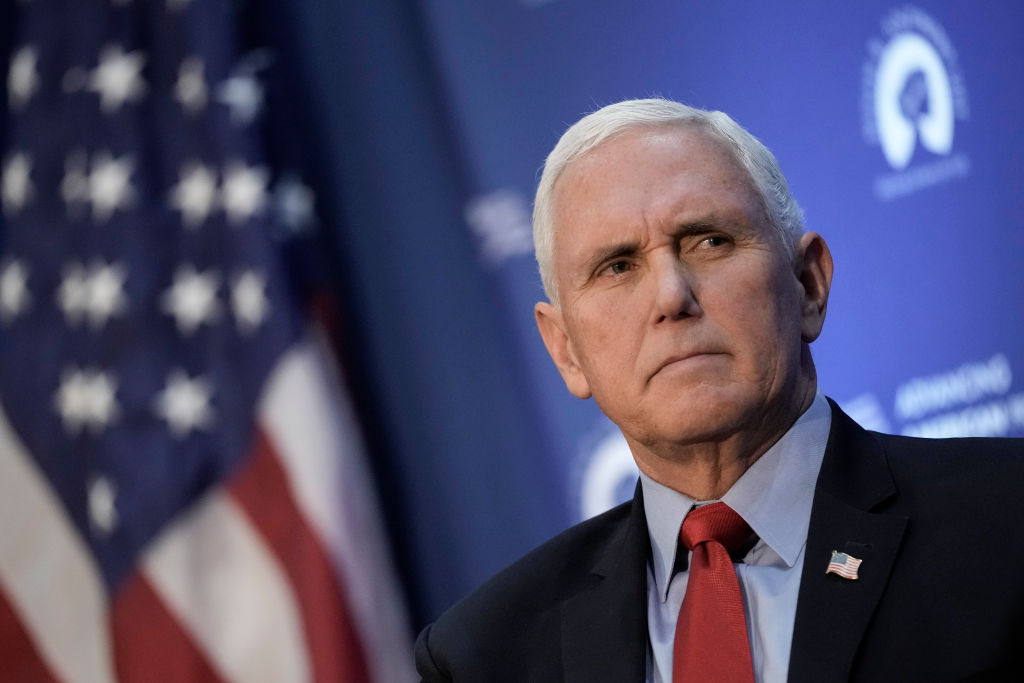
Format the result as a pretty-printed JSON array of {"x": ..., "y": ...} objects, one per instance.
[
  {"x": 552, "y": 330},
  {"x": 814, "y": 270}
]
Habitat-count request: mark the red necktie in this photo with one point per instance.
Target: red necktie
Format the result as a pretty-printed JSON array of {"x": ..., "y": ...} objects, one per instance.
[{"x": 711, "y": 634}]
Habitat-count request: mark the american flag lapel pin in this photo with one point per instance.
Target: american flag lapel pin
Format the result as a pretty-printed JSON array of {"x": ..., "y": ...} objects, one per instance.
[{"x": 844, "y": 565}]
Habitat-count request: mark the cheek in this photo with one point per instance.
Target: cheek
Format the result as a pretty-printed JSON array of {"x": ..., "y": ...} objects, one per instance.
[
  {"x": 607, "y": 335},
  {"x": 605, "y": 315},
  {"x": 759, "y": 317}
]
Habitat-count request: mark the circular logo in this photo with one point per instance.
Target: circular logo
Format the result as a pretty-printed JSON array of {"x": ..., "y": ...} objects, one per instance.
[
  {"x": 913, "y": 99},
  {"x": 914, "y": 91}
]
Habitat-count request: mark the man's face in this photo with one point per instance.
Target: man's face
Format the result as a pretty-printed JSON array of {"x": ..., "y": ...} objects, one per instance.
[{"x": 680, "y": 310}]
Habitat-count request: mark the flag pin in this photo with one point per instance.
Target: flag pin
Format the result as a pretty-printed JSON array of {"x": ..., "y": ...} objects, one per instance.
[{"x": 844, "y": 565}]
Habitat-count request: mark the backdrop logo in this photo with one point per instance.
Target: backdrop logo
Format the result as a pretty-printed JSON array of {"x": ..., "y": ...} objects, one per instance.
[{"x": 913, "y": 97}]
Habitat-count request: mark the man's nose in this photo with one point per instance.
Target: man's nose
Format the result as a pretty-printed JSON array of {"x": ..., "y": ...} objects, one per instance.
[{"x": 675, "y": 297}]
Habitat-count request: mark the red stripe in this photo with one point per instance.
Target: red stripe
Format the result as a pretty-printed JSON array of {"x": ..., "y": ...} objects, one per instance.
[
  {"x": 261, "y": 488},
  {"x": 842, "y": 570},
  {"x": 149, "y": 643},
  {"x": 19, "y": 658}
]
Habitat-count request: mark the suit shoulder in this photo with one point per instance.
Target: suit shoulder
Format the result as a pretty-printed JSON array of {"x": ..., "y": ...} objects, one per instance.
[
  {"x": 521, "y": 601},
  {"x": 950, "y": 473},
  {"x": 969, "y": 457},
  {"x": 554, "y": 569}
]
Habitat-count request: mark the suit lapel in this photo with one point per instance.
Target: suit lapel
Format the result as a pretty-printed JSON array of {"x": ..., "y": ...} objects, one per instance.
[
  {"x": 604, "y": 627},
  {"x": 832, "y": 613}
]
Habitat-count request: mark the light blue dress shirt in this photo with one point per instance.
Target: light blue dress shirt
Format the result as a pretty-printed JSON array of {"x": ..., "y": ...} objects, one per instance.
[{"x": 774, "y": 497}]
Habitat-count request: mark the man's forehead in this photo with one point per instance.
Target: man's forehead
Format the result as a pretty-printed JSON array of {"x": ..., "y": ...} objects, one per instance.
[
  {"x": 632, "y": 151},
  {"x": 649, "y": 168}
]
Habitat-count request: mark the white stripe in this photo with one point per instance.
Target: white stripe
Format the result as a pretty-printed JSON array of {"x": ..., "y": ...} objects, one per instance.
[
  {"x": 311, "y": 423},
  {"x": 48, "y": 573},
  {"x": 222, "y": 583}
]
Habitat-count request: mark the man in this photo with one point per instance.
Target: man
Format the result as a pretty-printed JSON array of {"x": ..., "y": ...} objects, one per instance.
[{"x": 683, "y": 296}]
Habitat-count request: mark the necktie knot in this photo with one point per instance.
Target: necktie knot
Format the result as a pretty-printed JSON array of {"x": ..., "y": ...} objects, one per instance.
[{"x": 715, "y": 522}]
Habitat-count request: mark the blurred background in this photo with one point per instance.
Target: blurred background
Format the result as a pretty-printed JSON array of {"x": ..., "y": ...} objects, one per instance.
[{"x": 271, "y": 394}]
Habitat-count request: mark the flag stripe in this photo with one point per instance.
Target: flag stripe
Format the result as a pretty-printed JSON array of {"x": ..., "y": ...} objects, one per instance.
[
  {"x": 149, "y": 640},
  {"x": 21, "y": 660},
  {"x": 315, "y": 434},
  {"x": 40, "y": 550},
  {"x": 843, "y": 570},
  {"x": 220, "y": 580},
  {"x": 262, "y": 492}
]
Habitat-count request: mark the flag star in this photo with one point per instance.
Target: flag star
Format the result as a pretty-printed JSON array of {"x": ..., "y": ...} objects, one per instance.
[
  {"x": 105, "y": 293},
  {"x": 73, "y": 293},
  {"x": 86, "y": 398},
  {"x": 248, "y": 300},
  {"x": 16, "y": 184},
  {"x": 101, "y": 496},
  {"x": 184, "y": 404},
  {"x": 118, "y": 77},
  {"x": 72, "y": 400},
  {"x": 243, "y": 95},
  {"x": 293, "y": 204},
  {"x": 244, "y": 191},
  {"x": 22, "y": 78},
  {"x": 74, "y": 187},
  {"x": 192, "y": 299},
  {"x": 14, "y": 295},
  {"x": 190, "y": 89},
  {"x": 110, "y": 186},
  {"x": 195, "y": 194}
]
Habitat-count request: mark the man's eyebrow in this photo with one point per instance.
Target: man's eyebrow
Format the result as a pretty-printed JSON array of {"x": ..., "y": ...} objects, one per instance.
[
  {"x": 699, "y": 226},
  {"x": 607, "y": 253}
]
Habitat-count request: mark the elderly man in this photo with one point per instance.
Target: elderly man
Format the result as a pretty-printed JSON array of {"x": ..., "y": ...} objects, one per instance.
[{"x": 770, "y": 537}]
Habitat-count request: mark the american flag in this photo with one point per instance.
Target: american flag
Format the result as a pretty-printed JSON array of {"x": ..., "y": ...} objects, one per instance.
[
  {"x": 844, "y": 565},
  {"x": 183, "y": 491}
]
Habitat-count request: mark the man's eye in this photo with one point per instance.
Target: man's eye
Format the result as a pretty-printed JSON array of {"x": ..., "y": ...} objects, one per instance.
[
  {"x": 712, "y": 241},
  {"x": 618, "y": 267}
]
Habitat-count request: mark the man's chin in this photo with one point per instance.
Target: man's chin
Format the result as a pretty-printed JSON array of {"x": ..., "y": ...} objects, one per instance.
[{"x": 708, "y": 415}]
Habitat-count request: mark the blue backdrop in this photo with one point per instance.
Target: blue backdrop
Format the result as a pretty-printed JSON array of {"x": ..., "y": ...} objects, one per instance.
[
  {"x": 423, "y": 124},
  {"x": 898, "y": 127}
]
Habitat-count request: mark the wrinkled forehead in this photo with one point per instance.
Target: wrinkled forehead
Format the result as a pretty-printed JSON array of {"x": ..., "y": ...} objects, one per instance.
[{"x": 584, "y": 180}]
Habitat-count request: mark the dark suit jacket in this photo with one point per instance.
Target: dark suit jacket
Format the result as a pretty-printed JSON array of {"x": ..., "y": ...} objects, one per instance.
[{"x": 939, "y": 525}]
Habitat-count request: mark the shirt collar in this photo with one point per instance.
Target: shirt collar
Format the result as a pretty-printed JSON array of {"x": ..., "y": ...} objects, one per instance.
[{"x": 773, "y": 496}]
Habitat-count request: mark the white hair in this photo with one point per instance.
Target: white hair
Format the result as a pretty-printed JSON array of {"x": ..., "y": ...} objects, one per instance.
[{"x": 784, "y": 215}]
